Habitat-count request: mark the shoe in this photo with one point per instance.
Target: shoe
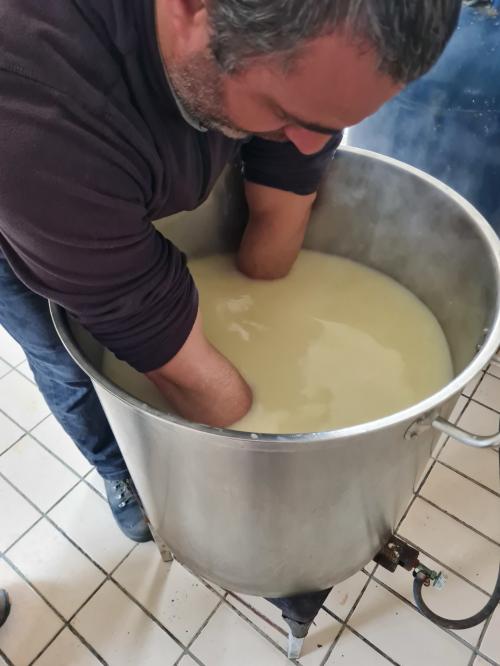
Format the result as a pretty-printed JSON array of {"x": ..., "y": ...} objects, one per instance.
[
  {"x": 4, "y": 606},
  {"x": 127, "y": 509}
]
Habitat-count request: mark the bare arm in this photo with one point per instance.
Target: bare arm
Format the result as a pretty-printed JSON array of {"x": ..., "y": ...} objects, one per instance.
[
  {"x": 201, "y": 384},
  {"x": 275, "y": 231}
]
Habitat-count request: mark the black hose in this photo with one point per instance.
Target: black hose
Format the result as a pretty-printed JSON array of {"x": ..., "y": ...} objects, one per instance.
[
  {"x": 468, "y": 622},
  {"x": 471, "y": 621}
]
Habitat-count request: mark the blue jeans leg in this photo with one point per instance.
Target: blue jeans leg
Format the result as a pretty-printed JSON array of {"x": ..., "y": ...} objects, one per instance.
[{"x": 66, "y": 388}]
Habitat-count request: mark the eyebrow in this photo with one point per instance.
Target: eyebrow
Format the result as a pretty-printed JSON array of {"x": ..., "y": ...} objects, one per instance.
[{"x": 314, "y": 127}]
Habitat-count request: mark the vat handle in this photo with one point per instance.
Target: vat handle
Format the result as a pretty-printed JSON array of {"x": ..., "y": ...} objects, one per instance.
[{"x": 477, "y": 441}]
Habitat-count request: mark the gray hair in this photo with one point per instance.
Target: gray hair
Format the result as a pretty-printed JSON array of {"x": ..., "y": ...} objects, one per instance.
[{"x": 408, "y": 35}]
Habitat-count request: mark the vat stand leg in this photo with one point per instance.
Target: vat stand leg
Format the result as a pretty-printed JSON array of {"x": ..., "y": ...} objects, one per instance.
[
  {"x": 296, "y": 643},
  {"x": 299, "y": 613},
  {"x": 165, "y": 552}
]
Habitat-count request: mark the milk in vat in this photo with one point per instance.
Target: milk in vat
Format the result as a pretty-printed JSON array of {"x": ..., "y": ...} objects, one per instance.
[{"x": 332, "y": 345}]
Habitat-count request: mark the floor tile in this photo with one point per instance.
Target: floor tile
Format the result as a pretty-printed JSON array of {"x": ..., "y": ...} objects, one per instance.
[
  {"x": 22, "y": 401},
  {"x": 25, "y": 370},
  {"x": 168, "y": 591},
  {"x": 55, "y": 567},
  {"x": 4, "y": 368},
  {"x": 402, "y": 633},
  {"x": 17, "y": 515},
  {"x": 457, "y": 600},
  {"x": 67, "y": 650},
  {"x": 9, "y": 432},
  {"x": 122, "y": 633},
  {"x": 51, "y": 434},
  {"x": 352, "y": 651},
  {"x": 472, "y": 385},
  {"x": 31, "y": 623},
  {"x": 36, "y": 472},
  {"x": 96, "y": 481},
  {"x": 452, "y": 543},
  {"x": 464, "y": 499},
  {"x": 10, "y": 350},
  {"x": 479, "y": 419},
  {"x": 343, "y": 596},
  {"x": 228, "y": 640},
  {"x": 490, "y": 645},
  {"x": 87, "y": 520},
  {"x": 317, "y": 643},
  {"x": 494, "y": 369},
  {"x": 478, "y": 464},
  {"x": 488, "y": 392}
]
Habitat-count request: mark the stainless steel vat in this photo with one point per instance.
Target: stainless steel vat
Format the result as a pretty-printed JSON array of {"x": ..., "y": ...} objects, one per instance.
[{"x": 278, "y": 515}]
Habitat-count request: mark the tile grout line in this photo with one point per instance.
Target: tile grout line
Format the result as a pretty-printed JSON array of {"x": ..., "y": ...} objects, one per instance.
[
  {"x": 196, "y": 635},
  {"x": 480, "y": 639},
  {"x": 409, "y": 604},
  {"x": 256, "y": 612},
  {"x": 144, "y": 610},
  {"x": 43, "y": 514},
  {"x": 26, "y": 431},
  {"x": 54, "y": 638},
  {"x": 491, "y": 409},
  {"x": 107, "y": 576},
  {"x": 46, "y": 448},
  {"x": 6, "y": 659},
  {"x": 458, "y": 520},
  {"x": 347, "y": 618},
  {"x": 16, "y": 369},
  {"x": 374, "y": 647},
  {"x": 258, "y": 629},
  {"x": 469, "y": 478},
  {"x": 61, "y": 617},
  {"x": 67, "y": 623}
]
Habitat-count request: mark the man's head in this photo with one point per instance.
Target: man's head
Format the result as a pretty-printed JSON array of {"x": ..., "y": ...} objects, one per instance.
[{"x": 297, "y": 69}]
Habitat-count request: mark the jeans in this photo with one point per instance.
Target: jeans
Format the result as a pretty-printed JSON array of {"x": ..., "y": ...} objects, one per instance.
[{"x": 66, "y": 388}]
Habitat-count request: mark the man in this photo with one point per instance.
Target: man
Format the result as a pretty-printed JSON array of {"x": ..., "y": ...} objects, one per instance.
[{"x": 117, "y": 112}]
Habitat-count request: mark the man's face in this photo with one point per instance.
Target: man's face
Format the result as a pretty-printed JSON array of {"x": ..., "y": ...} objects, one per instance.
[{"x": 331, "y": 85}]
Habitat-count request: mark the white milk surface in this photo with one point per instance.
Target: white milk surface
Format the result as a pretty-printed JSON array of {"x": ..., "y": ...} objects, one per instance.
[{"x": 334, "y": 344}]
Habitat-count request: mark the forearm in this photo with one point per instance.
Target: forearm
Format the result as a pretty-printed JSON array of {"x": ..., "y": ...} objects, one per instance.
[
  {"x": 275, "y": 231},
  {"x": 202, "y": 385}
]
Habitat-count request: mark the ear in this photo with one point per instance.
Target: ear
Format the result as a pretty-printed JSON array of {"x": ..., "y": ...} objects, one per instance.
[{"x": 189, "y": 19}]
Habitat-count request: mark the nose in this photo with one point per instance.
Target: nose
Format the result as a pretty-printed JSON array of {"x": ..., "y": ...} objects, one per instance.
[{"x": 304, "y": 140}]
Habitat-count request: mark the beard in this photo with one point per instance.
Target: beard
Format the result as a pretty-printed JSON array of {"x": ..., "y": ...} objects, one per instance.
[{"x": 198, "y": 83}]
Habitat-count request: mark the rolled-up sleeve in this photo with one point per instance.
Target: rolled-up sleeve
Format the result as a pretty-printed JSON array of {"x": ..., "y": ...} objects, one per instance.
[
  {"x": 282, "y": 166},
  {"x": 74, "y": 226}
]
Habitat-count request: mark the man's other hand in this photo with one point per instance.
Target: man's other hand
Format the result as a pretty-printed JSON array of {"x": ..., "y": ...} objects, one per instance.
[{"x": 275, "y": 231}]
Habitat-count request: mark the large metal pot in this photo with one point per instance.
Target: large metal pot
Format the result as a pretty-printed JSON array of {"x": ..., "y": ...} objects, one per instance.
[{"x": 278, "y": 515}]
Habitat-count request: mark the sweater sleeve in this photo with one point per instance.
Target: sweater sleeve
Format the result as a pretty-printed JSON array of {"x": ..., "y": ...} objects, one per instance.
[
  {"x": 282, "y": 166},
  {"x": 75, "y": 229}
]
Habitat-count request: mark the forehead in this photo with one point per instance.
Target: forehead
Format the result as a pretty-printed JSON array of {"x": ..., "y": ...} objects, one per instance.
[{"x": 333, "y": 79}]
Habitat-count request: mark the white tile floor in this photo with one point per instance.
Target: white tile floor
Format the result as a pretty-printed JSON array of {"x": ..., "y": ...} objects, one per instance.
[{"x": 82, "y": 594}]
